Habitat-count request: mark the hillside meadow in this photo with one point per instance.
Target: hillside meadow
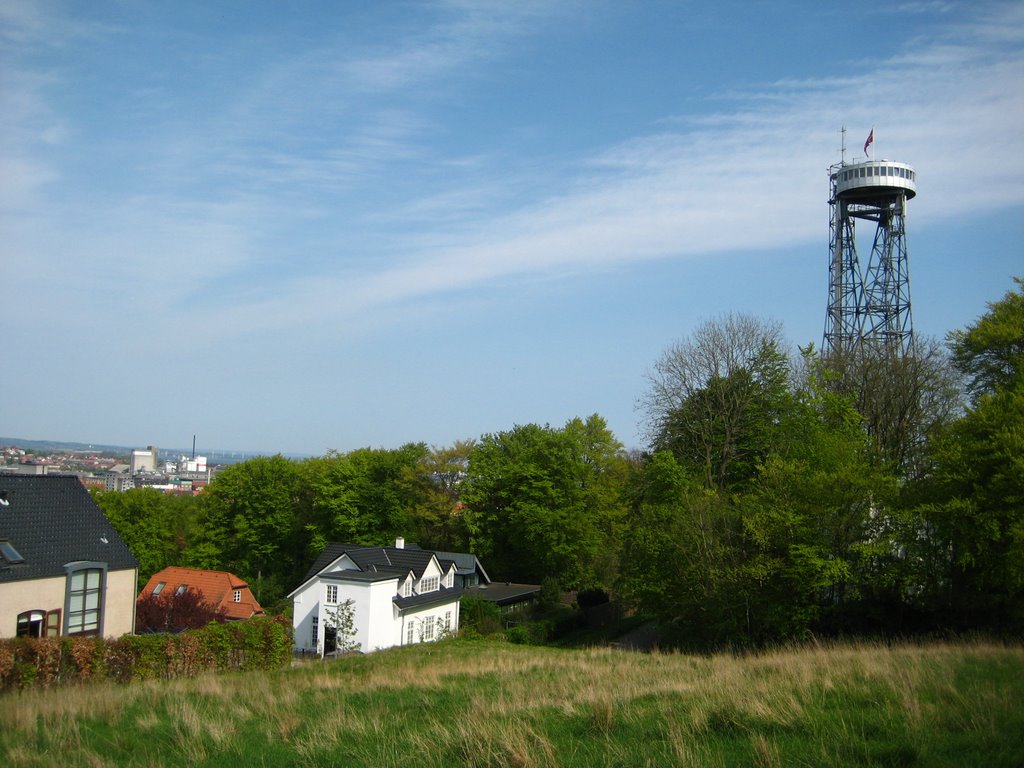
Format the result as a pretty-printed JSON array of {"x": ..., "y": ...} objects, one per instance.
[{"x": 494, "y": 704}]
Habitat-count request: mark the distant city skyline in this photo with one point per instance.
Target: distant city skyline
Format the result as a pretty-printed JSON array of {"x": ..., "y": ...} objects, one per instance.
[
  {"x": 301, "y": 228},
  {"x": 213, "y": 454}
]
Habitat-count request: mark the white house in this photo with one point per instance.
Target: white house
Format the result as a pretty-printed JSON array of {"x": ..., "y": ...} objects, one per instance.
[{"x": 400, "y": 595}]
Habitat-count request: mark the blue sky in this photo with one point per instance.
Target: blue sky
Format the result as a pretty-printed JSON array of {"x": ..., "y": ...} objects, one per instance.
[{"x": 288, "y": 226}]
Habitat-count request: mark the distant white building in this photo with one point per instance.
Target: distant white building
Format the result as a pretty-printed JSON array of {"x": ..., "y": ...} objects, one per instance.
[
  {"x": 143, "y": 460},
  {"x": 194, "y": 464},
  {"x": 118, "y": 482},
  {"x": 399, "y": 595}
]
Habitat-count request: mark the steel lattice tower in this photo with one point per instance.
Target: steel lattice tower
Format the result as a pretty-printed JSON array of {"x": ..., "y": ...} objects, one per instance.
[{"x": 869, "y": 308}]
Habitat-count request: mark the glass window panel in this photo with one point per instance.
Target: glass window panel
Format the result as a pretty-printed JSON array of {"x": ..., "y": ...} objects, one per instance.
[
  {"x": 53, "y": 624},
  {"x": 76, "y": 602},
  {"x": 78, "y": 581},
  {"x": 92, "y": 579},
  {"x": 92, "y": 601}
]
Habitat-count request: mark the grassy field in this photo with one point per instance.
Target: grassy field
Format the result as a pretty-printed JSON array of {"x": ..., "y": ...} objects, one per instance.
[{"x": 460, "y": 703}]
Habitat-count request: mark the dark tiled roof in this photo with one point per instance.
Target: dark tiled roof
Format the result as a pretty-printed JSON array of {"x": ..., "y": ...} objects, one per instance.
[
  {"x": 464, "y": 562},
  {"x": 392, "y": 559},
  {"x": 505, "y": 594},
  {"x": 51, "y": 520},
  {"x": 443, "y": 595},
  {"x": 331, "y": 553}
]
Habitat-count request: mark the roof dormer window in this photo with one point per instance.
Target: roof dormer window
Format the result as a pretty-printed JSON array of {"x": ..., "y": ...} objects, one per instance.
[{"x": 9, "y": 553}]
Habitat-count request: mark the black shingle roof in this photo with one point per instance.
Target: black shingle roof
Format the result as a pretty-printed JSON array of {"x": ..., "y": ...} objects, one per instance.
[
  {"x": 465, "y": 563},
  {"x": 51, "y": 520},
  {"x": 389, "y": 559},
  {"x": 442, "y": 595}
]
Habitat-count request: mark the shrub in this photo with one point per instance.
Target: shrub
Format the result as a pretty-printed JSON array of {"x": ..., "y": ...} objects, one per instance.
[
  {"x": 479, "y": 615},
  {"x": 260, "y": 643},
  {"x": 170, "y": 612},
  {"x": 530, "y": 633}
]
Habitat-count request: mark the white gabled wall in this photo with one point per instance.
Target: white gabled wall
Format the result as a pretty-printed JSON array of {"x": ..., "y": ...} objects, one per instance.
[
  {"x": 418, "y": 621},
  {"x": 306, "y": 605},
  {"x": 432, "y": 569},
  {"x": 360, "y": 594},
  {"x": 381, "y": 621}
]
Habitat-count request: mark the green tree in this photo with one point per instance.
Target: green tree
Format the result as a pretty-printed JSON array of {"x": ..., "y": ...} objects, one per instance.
[
  {"x": 366, "y": 496},
  {"x": 991, "y": 351},
  {"x": 799, "y": 542},
  {"x": 679, "y": 555},
  {"x": 340, "y": 628},
  {"x": 438, "y": 522},
  {"x": 973, "y": 503},
  {"x": 903, "y": 400},
  {"x": 249, "y": 524},
  {"x": 544, "y": 502},
  {"x": 817, "y": 525},
  {"x": 713, "y": 399},
  {"x": 159, "y": 528}
]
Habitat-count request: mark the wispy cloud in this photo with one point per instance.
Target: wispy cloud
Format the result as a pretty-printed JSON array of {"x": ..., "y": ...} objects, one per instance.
[{"x": 749, "y": 176}]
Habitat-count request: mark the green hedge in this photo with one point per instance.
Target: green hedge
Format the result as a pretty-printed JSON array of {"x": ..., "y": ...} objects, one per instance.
[{"x": 259, "y": 643}]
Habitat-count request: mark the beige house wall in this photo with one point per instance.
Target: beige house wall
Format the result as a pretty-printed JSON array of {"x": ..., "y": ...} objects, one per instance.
[
  {"x": 48, "y": 595},
  {"x": 120, "y": 619},
  {"x": 36, "y": 594}
]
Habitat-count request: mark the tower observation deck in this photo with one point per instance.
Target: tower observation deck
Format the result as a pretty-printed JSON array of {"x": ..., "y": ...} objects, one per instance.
[{"x": 869, "y": 306}]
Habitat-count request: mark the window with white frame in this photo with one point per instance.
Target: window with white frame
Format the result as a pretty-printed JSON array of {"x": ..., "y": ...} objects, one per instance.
[
  {"x": 409, "y": 636},
  {"x": 447, "y": 621},
  {"x": 428, "y": 584},
  {"x": 314, "y": 635},
  {"x": 428, "y": 628},
  {"x": 407, "y": 588},
  {"x": 449, "y": 579},
  {"x": 332, "y": 594},
  {"x": 85, "y": 588},
  {"x": 236, "y": 596}
]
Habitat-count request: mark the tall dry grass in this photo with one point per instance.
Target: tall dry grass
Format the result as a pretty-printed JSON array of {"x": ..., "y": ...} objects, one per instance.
[{"x": 472, "y": 704}]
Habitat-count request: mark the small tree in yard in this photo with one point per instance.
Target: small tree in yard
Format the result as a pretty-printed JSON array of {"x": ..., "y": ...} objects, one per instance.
[
  {"x": 168, "y": 612},
  {"x": 341, "y": 621}
]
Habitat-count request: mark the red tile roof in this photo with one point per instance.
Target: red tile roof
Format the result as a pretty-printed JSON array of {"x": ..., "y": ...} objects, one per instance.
[{"x": 216, "y": 587}]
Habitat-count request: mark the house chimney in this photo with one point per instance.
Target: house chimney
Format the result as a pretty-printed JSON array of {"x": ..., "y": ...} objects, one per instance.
[{"x": 400, "y": 543}]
